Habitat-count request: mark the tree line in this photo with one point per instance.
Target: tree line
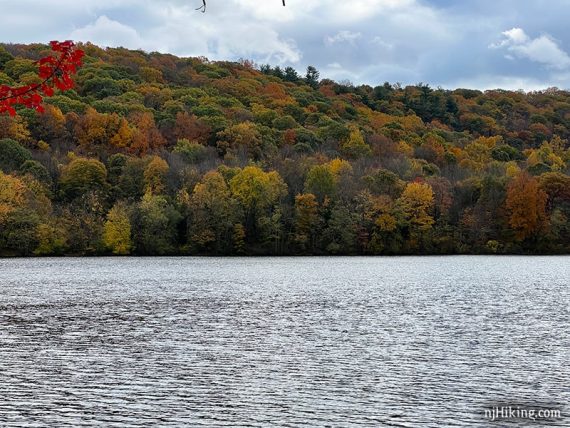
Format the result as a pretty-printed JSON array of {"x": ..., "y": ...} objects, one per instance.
[{"x": 151, "y": 154}]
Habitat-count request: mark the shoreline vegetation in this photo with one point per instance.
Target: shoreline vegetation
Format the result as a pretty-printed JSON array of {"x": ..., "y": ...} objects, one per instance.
[
  {"x": 269, "y": 256},
  {"x": 152, "y": 154}
]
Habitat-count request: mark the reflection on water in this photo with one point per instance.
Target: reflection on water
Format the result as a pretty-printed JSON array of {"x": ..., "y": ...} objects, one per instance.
[{"x": 402, "y": 342}]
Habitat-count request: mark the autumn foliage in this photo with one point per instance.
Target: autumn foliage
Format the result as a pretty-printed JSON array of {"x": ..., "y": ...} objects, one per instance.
[
  {"x": 526, "y": 204},
  {"x": 150, "y": 154},
  {"x": 55, "y": 71}
]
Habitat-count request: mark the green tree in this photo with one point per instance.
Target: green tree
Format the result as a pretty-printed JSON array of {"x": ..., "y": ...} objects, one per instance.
[
  {"x": 18, "y": 233},
  {"x": 5, "y": 56},
  {"x": 238, "y": 238},
  {"x": 12, "y": 155},
  {"x": 321, "y": 182},
  {"x": 36, "y": 170},
  {"x": 191, "y": 151},
  {"x": 52, "y": 238},
  {"x": 155, "y": 226},
  {"x": 130, "y": 181},
  {"x": 312, "y": 77},
  {"x": 83, "y": 175},
  {"x": 339, "y": 236},
  {"x": 83, "y": 218},
  {"x": 557, "y": 187}
]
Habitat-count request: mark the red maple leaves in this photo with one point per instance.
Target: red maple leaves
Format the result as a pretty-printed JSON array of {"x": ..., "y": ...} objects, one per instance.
[{"x": 55, "y": 71}]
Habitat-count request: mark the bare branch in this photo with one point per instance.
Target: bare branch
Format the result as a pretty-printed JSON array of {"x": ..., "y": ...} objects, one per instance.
[{"x": 203, "y": 7}]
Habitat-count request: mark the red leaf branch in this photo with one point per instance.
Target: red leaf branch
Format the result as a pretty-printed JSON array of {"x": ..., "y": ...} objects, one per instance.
[{"x": 55, "y": 71}]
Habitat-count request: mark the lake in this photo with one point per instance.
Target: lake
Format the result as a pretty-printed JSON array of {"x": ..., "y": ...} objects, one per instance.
[{"x": 402, "y": 342}]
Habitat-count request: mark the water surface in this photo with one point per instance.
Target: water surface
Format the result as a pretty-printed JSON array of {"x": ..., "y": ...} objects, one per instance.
[{"x": 403, "y": 342}]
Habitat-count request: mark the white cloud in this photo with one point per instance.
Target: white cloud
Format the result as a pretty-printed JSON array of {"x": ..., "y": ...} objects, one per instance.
[
  {"x": 331, "y": 11},
  {"x": 514, "y": 35},
  {"x": 543, "y": 49},
  {"x": 263, "y": 31},
  {"x": 224, "y": 38},
  {"x": 350, "y": 10},
  {"x": 366, "y": 41},
  {"x": 344, "y": 36},
  {"x": 268, "y": 10},
  {"x": 183, "y": 31},
  {"x": 106, "y": 32},
  {"x": 378, "y": 41},
  {"x": 491, "y": 81}
]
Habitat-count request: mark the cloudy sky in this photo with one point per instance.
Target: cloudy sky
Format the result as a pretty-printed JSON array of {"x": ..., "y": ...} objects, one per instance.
[{"x": 511, "y": 44}]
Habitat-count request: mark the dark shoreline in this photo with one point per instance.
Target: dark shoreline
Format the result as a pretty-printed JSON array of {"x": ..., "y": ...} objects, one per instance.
[{"x": 267, "y": 256}]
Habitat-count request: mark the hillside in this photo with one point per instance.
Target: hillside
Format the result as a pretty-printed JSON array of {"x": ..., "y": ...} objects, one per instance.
[{"x": 155, "y": 155}]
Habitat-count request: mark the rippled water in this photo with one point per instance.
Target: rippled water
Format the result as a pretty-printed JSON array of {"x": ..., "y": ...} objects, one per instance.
[{"x": 404, "y": 342}]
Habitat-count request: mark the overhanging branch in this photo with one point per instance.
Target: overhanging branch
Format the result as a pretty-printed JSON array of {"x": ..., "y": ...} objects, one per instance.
[{"x": 203, "y": 7}]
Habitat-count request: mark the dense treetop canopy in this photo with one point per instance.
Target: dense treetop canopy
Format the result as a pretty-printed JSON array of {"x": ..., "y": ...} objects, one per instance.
[{"x": 154, "y": 154}]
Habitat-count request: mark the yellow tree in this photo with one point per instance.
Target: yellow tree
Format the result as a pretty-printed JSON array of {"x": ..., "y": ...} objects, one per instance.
[
  {"x": 415, "y": 207},
  {"x": 12, "y": 195},
  {"x": 93, "y": 128},
  {"x": 377, "y": 223},
  {"x": 124, "y": 135},
  {"x": 526, "y": 204},
  {"x": 323, "y": 180},
  {"x": 479, "y": 152},
  {"x": 545, "y": 155},
  {"x": 155, "y": 175},
  {"x": 257, "y": 191},
  {"x": 15, "y": 128},
  {"x": 355, "y": 146},
  {"x": 255, "y": 188},
  {"x": 416, "y": 204},
  {"x": 117, "y": 230},
  {"x": 340, "y": 167},
  {"x": 212, "y": 212}
]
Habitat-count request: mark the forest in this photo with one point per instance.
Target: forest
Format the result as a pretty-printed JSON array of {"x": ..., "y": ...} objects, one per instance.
[{"x": 151, "y": 154}]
